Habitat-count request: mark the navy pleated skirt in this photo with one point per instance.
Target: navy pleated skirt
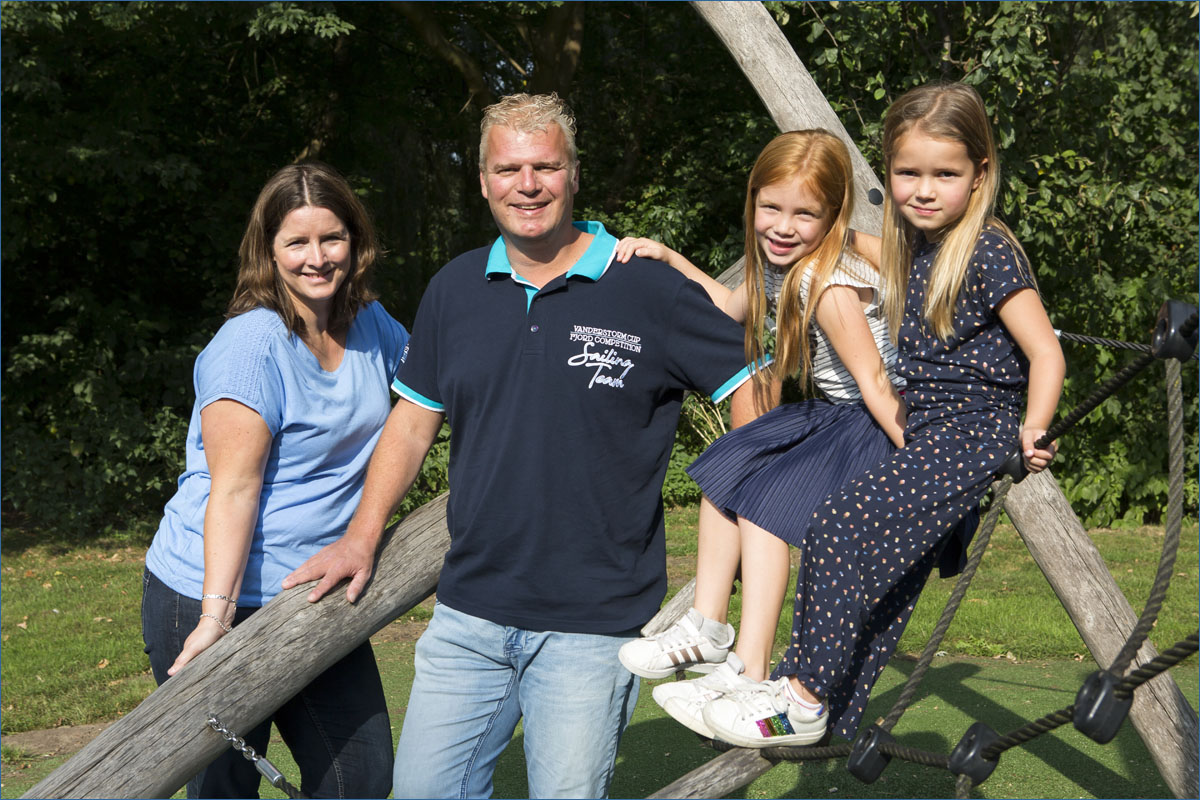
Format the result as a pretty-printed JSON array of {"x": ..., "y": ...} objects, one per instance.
[{"x": 776, "y": 470}]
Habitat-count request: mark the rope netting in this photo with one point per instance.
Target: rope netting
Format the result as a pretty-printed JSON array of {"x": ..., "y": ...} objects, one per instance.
[{"x": 1103, "y": 702}]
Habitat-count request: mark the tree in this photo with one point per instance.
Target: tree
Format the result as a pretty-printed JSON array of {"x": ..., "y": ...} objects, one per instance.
[{"x": 136, "y": 136}]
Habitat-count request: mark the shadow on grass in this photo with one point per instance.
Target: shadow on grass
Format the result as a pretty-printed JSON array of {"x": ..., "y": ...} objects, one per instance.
[
  {"x": 656, "y": 752},
  {"x": 951, "y": 684}
]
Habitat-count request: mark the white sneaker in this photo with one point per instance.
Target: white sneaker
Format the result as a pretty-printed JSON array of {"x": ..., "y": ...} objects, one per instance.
[
  {"x": 685, "y": 700},
  {"x": 764, "y": 716},
  {"x": 681, "y": 646}
]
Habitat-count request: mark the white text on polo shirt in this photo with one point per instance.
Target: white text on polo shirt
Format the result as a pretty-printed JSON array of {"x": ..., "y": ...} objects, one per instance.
[
  {"x": 606, "y": 337},
  {"x": 608, "y": 360}
]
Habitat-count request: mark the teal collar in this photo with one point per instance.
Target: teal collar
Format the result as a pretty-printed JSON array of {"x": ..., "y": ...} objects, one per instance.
[{"x": 592, "y": 265}]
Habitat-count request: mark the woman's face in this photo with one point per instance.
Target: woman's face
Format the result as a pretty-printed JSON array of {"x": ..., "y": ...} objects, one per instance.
[{"x": 313, "y": 255}]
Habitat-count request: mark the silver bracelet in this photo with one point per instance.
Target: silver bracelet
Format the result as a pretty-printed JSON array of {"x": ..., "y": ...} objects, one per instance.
[
  {"x": 217, "y": 619},
  {"x": 218, "y": 597}
]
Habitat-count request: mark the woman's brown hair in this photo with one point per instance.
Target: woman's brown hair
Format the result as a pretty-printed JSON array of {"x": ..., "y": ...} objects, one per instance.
[{"x": 308, "y": 183}]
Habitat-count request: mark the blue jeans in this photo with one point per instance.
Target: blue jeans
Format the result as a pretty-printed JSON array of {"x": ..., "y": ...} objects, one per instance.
[
  {"x": 337, "y": 727},
  {"x": 475, "y": 679}
]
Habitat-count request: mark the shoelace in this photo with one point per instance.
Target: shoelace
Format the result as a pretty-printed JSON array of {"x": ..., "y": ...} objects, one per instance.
[
  {"x": 682, "y": 634},
  {"x": 761, "y": 700}
]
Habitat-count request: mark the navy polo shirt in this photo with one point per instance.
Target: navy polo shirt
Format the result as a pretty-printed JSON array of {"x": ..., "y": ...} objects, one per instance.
[{"x": 562, "y": 404}]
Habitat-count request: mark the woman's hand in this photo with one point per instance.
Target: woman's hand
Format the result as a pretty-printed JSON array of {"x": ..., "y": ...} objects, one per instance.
[
  {"x": 641, "y": 247},
  {"x": 1036, "y": 460},
  {"x": 207, "y": 632}
]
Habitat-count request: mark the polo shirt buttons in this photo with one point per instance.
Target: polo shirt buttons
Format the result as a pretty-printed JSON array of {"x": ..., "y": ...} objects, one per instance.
[{"x": 533, "y": 328}]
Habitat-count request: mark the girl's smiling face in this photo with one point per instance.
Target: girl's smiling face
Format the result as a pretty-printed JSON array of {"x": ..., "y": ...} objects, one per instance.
[
  {"x": 790, "y": 221},
  {"x": 931, "y": 182}
]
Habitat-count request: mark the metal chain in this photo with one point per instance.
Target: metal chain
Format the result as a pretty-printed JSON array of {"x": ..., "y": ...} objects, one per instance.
[{"x": 264, "y": 767}]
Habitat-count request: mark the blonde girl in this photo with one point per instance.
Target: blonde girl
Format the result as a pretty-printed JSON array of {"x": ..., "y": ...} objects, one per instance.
[{"x": 763, "y": 481}]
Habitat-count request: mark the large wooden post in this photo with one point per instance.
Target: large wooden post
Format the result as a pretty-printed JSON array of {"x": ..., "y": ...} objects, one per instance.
[
  {"x": 246, "y": 675},
  {"x": 1061, "y": 547},
  {"x": 791, "y": 96}
]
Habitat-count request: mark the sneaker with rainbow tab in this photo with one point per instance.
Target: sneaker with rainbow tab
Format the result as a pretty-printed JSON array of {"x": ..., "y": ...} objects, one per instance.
[
  {"x": 764, "y": 716},
  {"x": 685, "y": 700}
]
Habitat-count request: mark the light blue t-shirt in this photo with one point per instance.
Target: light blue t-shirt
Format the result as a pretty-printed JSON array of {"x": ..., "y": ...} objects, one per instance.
[{"x": 324, "y": 427}]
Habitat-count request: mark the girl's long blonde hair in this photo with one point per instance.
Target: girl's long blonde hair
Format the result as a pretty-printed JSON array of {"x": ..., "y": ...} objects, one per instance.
[
  {"x": 819, "y": 161},
  {"x": 950, "y": 112}
]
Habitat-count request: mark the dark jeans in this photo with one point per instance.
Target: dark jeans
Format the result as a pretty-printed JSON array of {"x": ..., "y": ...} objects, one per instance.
[{"x": 337, "y": 727}]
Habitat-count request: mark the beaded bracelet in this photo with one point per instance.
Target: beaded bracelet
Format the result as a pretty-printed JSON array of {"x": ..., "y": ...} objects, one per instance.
[{"x": 217, "y": 619}]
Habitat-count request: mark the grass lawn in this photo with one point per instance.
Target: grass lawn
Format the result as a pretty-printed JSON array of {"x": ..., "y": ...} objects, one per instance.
[{"x": 71, "y": 643}]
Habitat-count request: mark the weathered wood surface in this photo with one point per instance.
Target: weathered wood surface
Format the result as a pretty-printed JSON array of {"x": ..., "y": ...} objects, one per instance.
[
  {"x": 1061, "y": 547},
  {"x": 726, "y": 773},
  {"x": 674, "y": 608},
  {"x": 246, "y": 675},
  {"x": 789, "y": 93}
]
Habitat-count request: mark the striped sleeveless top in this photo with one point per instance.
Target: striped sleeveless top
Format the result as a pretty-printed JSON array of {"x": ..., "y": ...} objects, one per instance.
[{"x": 828, "y": 372}]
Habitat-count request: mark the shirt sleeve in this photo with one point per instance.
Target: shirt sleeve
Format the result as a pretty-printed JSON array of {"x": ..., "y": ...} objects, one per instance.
[
  {"x": 706, "y": 351},
  {"x": 393, "y": 340},
  {"x": 851, "y": 270},
  {"x": 999, "y": 269},
  {"x": 416, "y": 380},
  {"x": 239, "y": 364}
]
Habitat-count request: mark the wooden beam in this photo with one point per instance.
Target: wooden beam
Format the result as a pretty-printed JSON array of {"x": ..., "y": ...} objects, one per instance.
[
  {"x": 723, "y": 775},
  {"x": 156, "y": 748},
  {"x": 787, "y": 90},
  {"x": 1066, "y": 554}
]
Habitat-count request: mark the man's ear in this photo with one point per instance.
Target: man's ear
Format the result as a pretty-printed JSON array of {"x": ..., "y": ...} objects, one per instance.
[
  {"x": 575, "y": 178},
  {"x": 483, "y": 185}
]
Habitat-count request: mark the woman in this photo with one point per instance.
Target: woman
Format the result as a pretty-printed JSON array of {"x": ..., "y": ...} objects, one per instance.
[{"x": 291, "y": 395}]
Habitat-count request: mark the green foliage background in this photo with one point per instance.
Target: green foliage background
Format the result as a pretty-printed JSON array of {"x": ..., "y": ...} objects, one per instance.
[{"x": 136, "y": 136}]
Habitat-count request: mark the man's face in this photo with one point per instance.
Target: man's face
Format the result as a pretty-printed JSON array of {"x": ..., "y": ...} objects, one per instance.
[{"x": 530, "y": 183}]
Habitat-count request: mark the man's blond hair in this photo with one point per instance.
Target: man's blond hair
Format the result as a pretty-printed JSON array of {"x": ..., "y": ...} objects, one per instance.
[{"x": 526, "y": 113}]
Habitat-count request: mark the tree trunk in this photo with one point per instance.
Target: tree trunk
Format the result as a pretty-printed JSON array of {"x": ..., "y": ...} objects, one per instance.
[
  {"x": 420, "y": 16},
  {"x": 556, "y": 46},
  {"x": 246, "y": 675}
]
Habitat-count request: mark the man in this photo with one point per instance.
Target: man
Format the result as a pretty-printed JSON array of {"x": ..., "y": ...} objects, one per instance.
[{"x": 561, "y": 373}]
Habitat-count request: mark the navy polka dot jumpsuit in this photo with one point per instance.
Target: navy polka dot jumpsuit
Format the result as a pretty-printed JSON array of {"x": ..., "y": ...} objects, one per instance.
[{"x": 873, "y": 543}]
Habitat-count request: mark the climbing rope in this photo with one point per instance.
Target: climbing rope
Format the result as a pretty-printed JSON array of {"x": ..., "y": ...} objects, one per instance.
[
  {"x": 1104, "y": 700},
  {"x": 1116, "y": 344},
  {"x": 264, "y": 767}
]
